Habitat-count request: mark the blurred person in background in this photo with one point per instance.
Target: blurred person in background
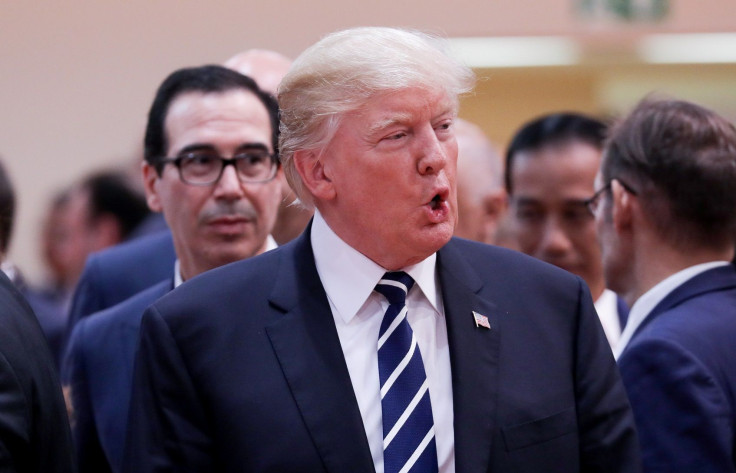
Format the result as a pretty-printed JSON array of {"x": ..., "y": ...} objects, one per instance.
[
  {"x": 551, "y": 166},
  {"x": 97, "y": 212},
  {"x": 267, "y": 68},
  {"x": 481, "y": 196}
]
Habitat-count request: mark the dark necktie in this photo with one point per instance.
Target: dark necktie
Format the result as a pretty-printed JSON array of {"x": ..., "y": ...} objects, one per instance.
[{"x": 408, "y": 427}]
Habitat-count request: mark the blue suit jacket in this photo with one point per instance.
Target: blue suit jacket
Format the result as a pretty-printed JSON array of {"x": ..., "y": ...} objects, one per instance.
[
  {"x": 115, "y": 274},
  {"x": 98, "y": 371},
  {"x": 680, "y": 372},
  {"x": 241, "y": 370}
]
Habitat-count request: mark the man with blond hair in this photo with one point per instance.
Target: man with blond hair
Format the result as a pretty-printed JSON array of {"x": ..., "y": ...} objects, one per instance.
[{"x": 376, "y": 342}]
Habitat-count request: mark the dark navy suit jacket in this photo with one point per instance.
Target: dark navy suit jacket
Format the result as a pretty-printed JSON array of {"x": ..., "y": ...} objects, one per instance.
[
  {"x": 115, "y": 274},
  {"x": 98, "y": 371},
  {"x": 241, "y": 370},
  {"x": 34, "y": 429},
  {"x": 680, "y": 372}
]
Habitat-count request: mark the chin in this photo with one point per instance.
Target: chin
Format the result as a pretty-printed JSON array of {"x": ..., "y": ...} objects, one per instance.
[{"x": 436, "y": 238}]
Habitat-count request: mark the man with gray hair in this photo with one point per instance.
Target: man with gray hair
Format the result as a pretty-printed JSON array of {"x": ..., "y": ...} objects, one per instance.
[{"x": 376, "y": 342}]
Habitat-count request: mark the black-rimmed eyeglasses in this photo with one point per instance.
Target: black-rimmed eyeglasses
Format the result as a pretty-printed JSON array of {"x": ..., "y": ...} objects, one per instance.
[
  {"x": 593, "y": 202},
  {"x": 204, "y": 168}
]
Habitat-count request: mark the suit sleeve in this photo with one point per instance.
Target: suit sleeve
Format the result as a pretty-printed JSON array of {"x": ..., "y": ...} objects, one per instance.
[
  {"x": 608, "y": 440},
  {"x": 87, "y": 448},
  {"x": 167, "y": 428},
  {"x": 682, "y": 414},
  {"x": 15, "y": 424}
]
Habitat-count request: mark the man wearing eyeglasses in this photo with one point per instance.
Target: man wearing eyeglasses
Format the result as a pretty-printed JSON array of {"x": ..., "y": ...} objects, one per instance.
[
  {"x": 666, "y": 216},
  {"x": 551, "y": 165},
  {"x": 210, "y": 166}
]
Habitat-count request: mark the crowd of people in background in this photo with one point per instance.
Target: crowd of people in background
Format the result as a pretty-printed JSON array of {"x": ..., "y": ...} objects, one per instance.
[{"x": 224, "y": 309}]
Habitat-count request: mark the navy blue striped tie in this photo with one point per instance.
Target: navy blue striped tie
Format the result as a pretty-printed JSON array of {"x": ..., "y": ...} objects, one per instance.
[{"x": 408, "y": 428}]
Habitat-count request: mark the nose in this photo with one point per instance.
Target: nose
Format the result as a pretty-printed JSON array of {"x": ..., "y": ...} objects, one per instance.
[
  {"x": 555, "y": 240},
  {"x": 433, "y": 152},
  {"x": 229, "y": 186}
]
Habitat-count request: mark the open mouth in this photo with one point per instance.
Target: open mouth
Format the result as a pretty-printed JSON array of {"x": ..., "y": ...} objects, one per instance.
[{"x": 434, "y": 204}]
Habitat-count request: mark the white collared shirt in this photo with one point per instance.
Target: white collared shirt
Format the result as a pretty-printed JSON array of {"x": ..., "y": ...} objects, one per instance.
[
  {"x": 178, "y": 279},
  {"x": 349, "y": 278},
  {"x": 607, "y": 308},
  {"x": 649, "y": 300}
]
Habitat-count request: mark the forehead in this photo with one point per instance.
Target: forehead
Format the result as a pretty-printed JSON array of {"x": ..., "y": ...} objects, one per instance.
[
  {"x": 220, "y": 119},
  {"x": 406, "y": 105},
  {"x": 568, "y": 169}
]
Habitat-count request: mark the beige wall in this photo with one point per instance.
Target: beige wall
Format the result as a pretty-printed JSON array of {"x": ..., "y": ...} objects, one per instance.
[{"x": 78, "y": 76}]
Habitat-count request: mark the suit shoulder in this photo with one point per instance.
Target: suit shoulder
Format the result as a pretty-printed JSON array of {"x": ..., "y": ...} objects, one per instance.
[
  {"x": 252, "y": 276},
  {"x": 127, "y": 311},
  {"x": 138, "y": 250},
  {"x": 508, "y": 263}
]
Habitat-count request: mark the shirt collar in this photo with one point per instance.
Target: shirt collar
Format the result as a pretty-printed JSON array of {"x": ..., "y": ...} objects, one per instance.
[
  {"x": 178, "y": 280},
  {"x": 650, "y": 299},
  {"x": 349, "y": 277}
]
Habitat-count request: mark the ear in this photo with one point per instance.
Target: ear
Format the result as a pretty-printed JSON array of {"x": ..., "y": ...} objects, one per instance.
[
  {"x": 315, "y": 176},
  {"x": 624, "y": 204},
  {"x": 150, "y": 178}
]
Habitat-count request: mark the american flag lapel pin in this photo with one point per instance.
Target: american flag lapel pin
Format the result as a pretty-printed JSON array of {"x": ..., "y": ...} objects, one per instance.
[{"x": 481, "y": 320}]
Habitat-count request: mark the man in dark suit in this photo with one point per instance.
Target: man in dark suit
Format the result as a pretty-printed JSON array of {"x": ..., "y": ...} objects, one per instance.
[
  {"x": 117, "y": 273},
  {"x": 666, "y": 214},
  {"x": 34, "y": 429},
  {"x": 464, "y": 358},
  {"x": 217, "y": 214}
]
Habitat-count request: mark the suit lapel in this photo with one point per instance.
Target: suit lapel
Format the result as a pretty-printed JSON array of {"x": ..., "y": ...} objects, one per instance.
[
  {"x": 473, "y": 357},
  {"x": 716, "y": 279},
  {"x": 308, "y": 349}
]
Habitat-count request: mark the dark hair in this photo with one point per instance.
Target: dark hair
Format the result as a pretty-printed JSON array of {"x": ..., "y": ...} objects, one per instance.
[
  {"x": 205, "y": 79},
  {"x": 681, "y": 159},
  {"x": 554, "y": 129},
  {"x": 7, "y": 209},
  {"x": 112, "y": 193}
]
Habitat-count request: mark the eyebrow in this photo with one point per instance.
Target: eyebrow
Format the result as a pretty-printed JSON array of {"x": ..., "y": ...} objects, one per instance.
[
  {"x": 208, "y": 147},
  {"x": 400, "y": 118},
  {"x": 389, "y": 122}
]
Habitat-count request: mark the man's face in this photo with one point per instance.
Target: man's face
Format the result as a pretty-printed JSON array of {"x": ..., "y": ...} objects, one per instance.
[
  {"x": 70, "y": 238},
  {"x": 226, "y": 221},
  {"x": 550, "y": 218},
  {"x": 392, "y": 168}
]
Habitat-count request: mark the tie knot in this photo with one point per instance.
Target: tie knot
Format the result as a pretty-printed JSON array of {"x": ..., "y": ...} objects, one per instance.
[{"x": 394, "y": 286}]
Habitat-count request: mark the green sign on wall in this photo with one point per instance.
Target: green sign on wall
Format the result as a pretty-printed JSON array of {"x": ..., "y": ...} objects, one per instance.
[{"x": 626, "y": 10}]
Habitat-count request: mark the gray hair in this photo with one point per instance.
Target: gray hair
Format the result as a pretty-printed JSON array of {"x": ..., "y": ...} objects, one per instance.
[{"x": 341, "y": 72}]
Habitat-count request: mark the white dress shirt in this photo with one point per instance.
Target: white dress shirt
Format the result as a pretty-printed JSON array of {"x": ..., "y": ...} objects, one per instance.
[
  {"x": 607, "y": 307},
  {"x": 649, "y": 300},
  {"x": 349, "y": 278}
]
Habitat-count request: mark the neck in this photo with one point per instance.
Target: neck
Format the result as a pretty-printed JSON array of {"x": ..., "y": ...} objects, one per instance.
[{"x": 656, "y": 263}]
